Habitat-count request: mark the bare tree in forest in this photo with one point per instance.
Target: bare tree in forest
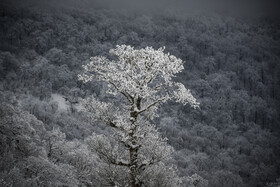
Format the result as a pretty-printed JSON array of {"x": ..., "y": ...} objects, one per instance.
[{"x": 143, "y": 79}]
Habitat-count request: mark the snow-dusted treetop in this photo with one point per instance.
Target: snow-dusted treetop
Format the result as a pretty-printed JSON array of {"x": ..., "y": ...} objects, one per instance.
[
  {"x": 144, "y": 74},
  {"x": 144, "y": 79}
]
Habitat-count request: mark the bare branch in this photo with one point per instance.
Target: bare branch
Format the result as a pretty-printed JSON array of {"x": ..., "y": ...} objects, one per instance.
[
  {"x": 151, "y": 105},
  {"x": 110, "y": 123},
  {"x": 111, "y": 160},
  {"x": 126, "y": 95},
  {"x": 152, "y": 161}
]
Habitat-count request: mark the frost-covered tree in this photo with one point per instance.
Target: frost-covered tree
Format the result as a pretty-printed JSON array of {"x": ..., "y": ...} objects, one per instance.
[{"x": 144, "y": 80}]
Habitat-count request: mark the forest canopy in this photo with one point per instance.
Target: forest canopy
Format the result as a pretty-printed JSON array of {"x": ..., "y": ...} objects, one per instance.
[{"x": 230, "y": 65}]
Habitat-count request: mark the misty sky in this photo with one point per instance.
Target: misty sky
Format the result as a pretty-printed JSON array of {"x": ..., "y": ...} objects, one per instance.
[{"x": 236, "y": 7}]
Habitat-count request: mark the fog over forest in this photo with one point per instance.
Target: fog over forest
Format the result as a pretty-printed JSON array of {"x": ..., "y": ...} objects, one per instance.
[{"x": 139, "y": 93}]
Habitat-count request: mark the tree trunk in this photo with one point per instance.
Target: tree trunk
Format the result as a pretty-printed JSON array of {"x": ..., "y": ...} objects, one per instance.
[
  {"x": 134, "y": 148},
  {"x": 133, "y": 165}
]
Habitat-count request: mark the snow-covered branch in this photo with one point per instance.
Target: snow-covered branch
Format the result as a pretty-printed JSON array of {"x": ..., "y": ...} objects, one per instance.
[{"x": 151, "y": 105}]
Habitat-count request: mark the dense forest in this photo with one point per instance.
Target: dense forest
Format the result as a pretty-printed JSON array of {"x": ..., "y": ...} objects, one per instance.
[{"x": 231, "y": 66}]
